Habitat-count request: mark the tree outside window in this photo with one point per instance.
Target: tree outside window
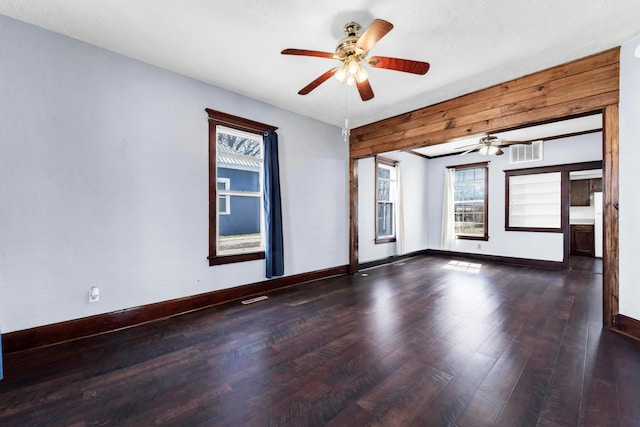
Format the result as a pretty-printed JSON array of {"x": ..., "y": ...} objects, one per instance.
[{"x": 470, "y": 202}]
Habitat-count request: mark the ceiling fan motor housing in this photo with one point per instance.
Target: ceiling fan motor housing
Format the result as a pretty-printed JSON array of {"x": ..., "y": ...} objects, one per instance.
[
  {"x": 347, "y": 46},
  {"x": 351, "y": 29}
]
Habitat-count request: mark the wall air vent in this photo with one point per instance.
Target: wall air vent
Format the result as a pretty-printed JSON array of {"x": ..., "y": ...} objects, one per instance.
[{"x": 523, "y": 153}]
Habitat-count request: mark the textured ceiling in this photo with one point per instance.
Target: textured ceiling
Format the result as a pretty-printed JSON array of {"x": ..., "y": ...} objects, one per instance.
[{"x": 236, "y": 45}]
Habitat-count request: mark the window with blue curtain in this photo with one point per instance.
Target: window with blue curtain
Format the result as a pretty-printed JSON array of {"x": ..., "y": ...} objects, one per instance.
[{"x": 244, "y": 170}]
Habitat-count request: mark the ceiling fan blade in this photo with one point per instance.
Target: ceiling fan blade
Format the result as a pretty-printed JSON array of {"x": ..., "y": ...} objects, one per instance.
[
  {"x": 470, "y": 150},
  {"x": 397, "y": 64},
  {"x": 377, "y": 30},
  {"x": 470, "y": 145},
  {"x": 366, "y": 93},
  {"x": 303, "y": 52},
  {"x": 317, "y": 82},
  {"x": 499, "y": 152}
]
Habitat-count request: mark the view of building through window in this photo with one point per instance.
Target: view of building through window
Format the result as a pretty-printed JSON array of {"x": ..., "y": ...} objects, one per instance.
[{"x": 239, "y": 158}]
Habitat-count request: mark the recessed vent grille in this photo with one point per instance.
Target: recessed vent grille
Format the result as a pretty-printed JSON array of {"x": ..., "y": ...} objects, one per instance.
[
  {"x": 256, "y": 299},
  {"x": 522, "y": 153}
]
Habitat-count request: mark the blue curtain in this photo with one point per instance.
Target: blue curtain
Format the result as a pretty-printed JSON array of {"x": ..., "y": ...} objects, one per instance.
[
  {"x": 272, "y": 207},
  {"x": 1, "y": 373}
]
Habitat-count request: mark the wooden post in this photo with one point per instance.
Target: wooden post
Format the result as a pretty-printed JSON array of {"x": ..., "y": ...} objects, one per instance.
[{"x": 610, "y": 284}]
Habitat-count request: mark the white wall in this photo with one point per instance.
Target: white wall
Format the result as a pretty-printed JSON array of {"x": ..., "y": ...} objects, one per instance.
[
  {"x": 104, "y": 182},
  {"x": 414, "y": 171},
  {"x": 629, "y": 225},
  {"x": 542, "y": 246}
]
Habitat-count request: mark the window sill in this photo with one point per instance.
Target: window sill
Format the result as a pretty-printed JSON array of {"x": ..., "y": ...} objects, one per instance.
[
  {"x": 230, "y": 259},
  {"x": 534, "y": 229},
  {"x": 385, "y": 240},
  {"x": 484, "y": 238}
]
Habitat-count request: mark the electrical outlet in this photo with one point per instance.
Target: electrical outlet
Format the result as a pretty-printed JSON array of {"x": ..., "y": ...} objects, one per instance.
[
  {"x": 479, "y": 246},
  {"x": 94, "y": 294}
]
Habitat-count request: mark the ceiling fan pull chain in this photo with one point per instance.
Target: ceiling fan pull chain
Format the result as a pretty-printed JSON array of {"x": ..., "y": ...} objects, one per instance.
[{"x": 346, "y": 132}]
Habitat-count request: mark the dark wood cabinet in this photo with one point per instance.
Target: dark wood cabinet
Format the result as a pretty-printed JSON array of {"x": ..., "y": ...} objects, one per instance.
[
  {"x": 582, "y": 240},
  {"x": 580, "y": 192},
  {"x": 595, "y": 185}
]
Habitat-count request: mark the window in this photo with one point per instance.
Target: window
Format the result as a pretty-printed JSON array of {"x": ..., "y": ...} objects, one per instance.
[
  {"x": 239, "y": 182},
  {"x": 470, "y": 207},
  {"x": 224, "y": 203},
  {"x": 537, "y": 199},
  {"x": 385, "y": 200},
  {"x": 236, "y": 216}
]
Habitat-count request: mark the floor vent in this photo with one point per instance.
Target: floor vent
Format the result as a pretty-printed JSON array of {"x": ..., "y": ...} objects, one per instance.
[{"x": 256, "y": 299}]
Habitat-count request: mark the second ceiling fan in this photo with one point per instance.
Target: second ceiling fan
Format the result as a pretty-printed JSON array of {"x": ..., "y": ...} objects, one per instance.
[
  {"x": 352, "y": 52},
  {"x": 490, "y": 145}
]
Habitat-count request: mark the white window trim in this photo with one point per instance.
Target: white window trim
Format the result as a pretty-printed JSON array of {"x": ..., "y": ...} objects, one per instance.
[{"x": 224, "y": 193}]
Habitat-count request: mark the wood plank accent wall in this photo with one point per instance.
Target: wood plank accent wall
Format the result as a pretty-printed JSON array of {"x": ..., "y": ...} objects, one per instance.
[
  {"x": 576, "y": 88},
  {"x": 586, "y": 86}
]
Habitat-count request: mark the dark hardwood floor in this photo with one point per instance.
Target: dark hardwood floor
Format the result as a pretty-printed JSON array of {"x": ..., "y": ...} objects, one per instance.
[
  {"x": 422, "y": 342},
  {"x": 585, "y": 263}
]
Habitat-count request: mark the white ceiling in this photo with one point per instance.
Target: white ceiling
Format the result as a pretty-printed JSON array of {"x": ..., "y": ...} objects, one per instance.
[{"x": 236, "y": 45}]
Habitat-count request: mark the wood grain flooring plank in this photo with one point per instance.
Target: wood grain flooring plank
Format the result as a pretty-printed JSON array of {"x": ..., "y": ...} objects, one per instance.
[
  {"x": 524, "y": 405},
  {"x": 482, "y": 410},
  {"x": 625, "y": 354},
  {"x": 352, "y": 380},
  {"x": 408, "y": 407},
  {"x": 564, "y": 395},
  {"x": 506, "y": 372},
  {"x": 447, "y": 405}
]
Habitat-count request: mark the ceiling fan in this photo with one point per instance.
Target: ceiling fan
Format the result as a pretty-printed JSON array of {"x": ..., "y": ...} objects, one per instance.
[
  {"x": 490, "y": 145},
  {"x": 352, "y": 52}
]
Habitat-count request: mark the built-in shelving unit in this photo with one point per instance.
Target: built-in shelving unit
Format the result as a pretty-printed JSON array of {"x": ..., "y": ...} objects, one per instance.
[{"x": 535, "y": 200}]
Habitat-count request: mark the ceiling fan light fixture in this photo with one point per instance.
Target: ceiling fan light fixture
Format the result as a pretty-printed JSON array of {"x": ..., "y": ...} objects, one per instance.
[
  {"x": 492, "y": 150},
  {"x": 484, "y": 150},
  {"x": 353, "y": 67},
  {"x": 362, "y": 74},
  {"x": 350, "y": 73}
]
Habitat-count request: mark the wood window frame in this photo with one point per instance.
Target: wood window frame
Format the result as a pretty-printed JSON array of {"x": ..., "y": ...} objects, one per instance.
[
  {"x": 535, "y": 171},
  {"x": 391, "y": 163},
  {"x": 485, "y": 167},
  {"x": 218, "y": 118},
  {"x": 564, "y": 169}
]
